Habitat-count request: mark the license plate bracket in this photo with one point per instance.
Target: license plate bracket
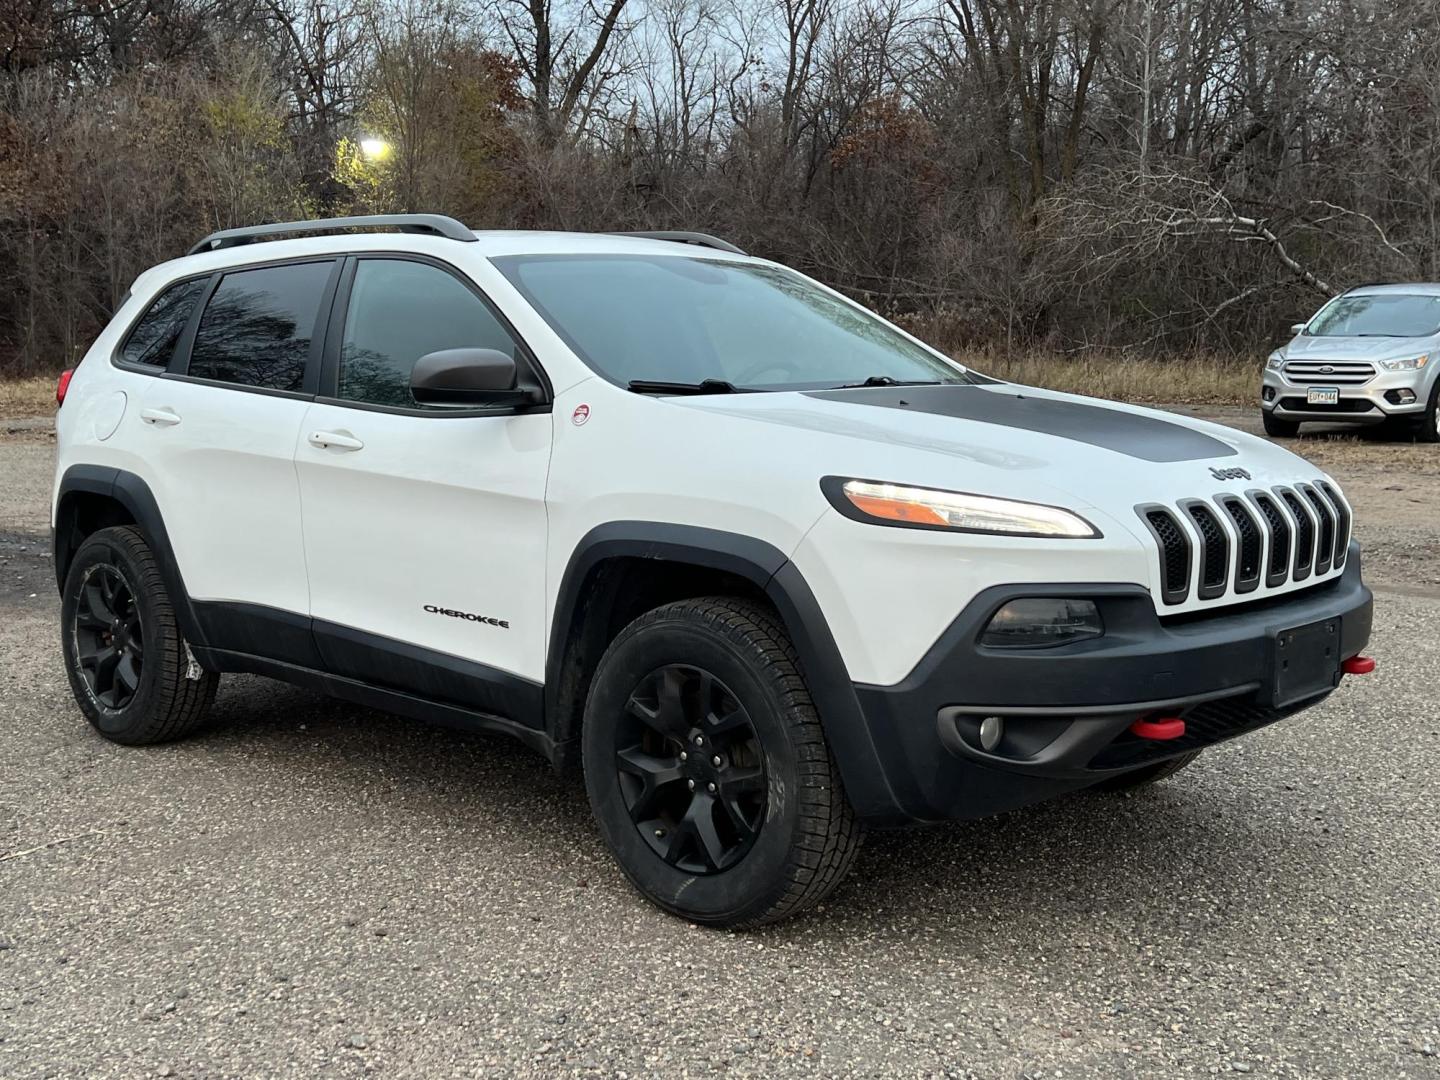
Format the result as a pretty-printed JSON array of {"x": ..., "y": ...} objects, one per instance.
[
  {"x": 1322, "y": 395},
  {"x": 1305, "y": 662}
]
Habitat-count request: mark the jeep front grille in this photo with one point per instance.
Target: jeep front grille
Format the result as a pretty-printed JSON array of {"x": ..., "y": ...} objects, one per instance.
[
  {"x": 1247, "y": 552},
  {"x": 1304, "y": 534},
  {"x": 1244, "y": 544},
  {"x": 1329, "y": 372},
  {"x": 1214, "y": 550},
  {"x": 1278, "y": 525}
]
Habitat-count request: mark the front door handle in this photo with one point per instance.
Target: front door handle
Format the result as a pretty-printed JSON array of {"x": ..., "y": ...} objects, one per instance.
[
  {"x": 335, "y": 440},
  {"x": 160, "y": 417}
]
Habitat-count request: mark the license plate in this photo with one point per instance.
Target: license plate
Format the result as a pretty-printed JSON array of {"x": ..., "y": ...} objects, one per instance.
[
  {"x": 1306, "y": 662},
  {"x": 1323, "y": 395}
]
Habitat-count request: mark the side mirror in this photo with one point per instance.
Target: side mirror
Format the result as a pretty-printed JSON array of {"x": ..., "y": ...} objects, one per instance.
[
  {"x": 1297, "y": 329},
  {"x": 466, "y": 377}
]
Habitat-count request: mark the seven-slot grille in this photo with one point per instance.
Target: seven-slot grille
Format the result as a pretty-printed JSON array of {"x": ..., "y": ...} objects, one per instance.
[
  {"x": 1329, "y": 372},
  {"x": 1287, "y": 534}
]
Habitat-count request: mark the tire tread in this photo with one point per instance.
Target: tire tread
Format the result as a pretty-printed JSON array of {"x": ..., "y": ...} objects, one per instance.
[
  {"x": 181, "y": 703},
  {"x": 829, "y": 834}
]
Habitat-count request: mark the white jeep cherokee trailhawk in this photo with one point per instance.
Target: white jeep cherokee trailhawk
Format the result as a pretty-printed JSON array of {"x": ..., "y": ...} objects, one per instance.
[{"x": 767, "y": 567}]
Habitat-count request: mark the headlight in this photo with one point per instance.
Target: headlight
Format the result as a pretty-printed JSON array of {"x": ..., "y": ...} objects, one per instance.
[
  {"x": 1275, "y": 361},
  {"x": 1414, "y": 363},
  {"x": 924, "y": 508},
  {"x": 1042, "y": 622}
]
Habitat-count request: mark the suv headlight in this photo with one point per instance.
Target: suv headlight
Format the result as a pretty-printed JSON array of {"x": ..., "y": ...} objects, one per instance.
[
  {"x": 925, "y": 508},
  {"x": 1414, "y": 363},
  {"x": 1039, "y": 623},
  {"x": 1275, "y": 361}
]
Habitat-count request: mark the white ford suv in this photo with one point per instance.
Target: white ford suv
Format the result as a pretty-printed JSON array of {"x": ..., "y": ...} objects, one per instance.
[{"x": 766, "y": 567}]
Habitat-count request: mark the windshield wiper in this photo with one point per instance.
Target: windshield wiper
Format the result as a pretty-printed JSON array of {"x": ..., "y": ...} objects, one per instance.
[
  {"x": 886, "y": 380},
  {"x": 704, "y": 386}
]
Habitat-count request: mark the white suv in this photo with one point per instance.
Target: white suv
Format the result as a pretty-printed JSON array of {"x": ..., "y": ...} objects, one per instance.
[{"x": 767, "y": 567}]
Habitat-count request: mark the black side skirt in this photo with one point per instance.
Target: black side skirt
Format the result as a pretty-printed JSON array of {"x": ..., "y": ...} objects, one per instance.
[
  {"x": 376, "y": 697},
  {"x": 371, "y": 670}
]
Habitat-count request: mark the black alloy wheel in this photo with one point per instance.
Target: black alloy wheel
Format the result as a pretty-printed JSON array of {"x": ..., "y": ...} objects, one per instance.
[
  {"x": 129, "y": 668},
  {"x": 108, "y": 639},
  {"x": 691, "y": 772},
  {"x": 707, "y": 766}
]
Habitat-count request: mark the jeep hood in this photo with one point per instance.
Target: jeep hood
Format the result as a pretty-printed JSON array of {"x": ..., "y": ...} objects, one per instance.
[{"x": 1012, "y": 441}]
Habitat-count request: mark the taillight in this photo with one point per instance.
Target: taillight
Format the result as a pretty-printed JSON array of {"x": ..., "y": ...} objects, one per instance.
[{"x": 62, "y": 386}]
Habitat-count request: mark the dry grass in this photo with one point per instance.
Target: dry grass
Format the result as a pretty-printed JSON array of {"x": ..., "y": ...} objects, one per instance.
[
  {"x": 34, "y": 396},
  {"x": 1181, "y": 380}
]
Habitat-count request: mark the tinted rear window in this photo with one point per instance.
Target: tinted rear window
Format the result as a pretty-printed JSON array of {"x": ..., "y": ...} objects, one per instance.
[
  {"x": 154, "y": 337},
  {"x": 257, "y": 328}
]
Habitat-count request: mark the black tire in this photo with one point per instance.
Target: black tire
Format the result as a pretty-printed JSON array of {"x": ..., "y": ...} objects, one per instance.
[
  {"x": 1277, "y": 428},
  {"x": 1147, "y": 774},
  {"x": 127, "y": 662},
  {"x": 1427, "y": 426},
  {"x": 781, "y": 833}
]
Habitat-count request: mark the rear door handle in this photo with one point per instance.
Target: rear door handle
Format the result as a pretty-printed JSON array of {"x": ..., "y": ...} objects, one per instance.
[
  {"x": 160, "y": 417},
  {"x": 337, "y": 440}
]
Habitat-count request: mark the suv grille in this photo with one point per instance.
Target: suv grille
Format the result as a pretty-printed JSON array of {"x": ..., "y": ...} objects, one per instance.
[
  {"x": 1278, "y": 568},
  {"x": 1304, "y": 534},
  {"x": 1326, "y": 546},
  {"x": 1340, "y": 373},
  {"x": 1214, "y": 550},
  {"x": 1174, "y": 552},
  {"x": 1342, "y": 523},
  {"x": 1247, "y": 554},
  {"x": 1283, "y": 535}
]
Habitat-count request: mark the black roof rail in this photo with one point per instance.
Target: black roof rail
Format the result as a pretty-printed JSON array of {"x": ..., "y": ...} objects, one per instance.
[
  {"x": 699, "y": 239},
  {"x": 430, "y": 224}
]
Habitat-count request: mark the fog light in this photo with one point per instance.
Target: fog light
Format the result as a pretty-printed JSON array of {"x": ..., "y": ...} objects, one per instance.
[
  {"x": 992, "y": 730},
  {"x": 1404, "y": 396},
  {"x": 1042, "y": 622},
  {"x": 1268, "y": 393}
]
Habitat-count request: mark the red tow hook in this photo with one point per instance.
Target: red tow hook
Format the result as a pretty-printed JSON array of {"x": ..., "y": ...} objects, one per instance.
[
  {"x": 1358, "y": 665},
  {"x": 1158, "y": 727}
]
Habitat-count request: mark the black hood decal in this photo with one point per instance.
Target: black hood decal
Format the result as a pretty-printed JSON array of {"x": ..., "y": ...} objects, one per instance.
[{"x": 1111, "y": 429}]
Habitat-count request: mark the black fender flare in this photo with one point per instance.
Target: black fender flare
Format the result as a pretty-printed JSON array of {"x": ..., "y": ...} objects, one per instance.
[
  {"x": 134, "y": 494},
  {"x": 781, "y": 581}
]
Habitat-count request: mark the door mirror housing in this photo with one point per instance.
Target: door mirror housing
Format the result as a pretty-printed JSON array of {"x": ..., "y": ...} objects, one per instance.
[
  {"x": 1297, "y": 329},
  {"x": 475, "y": 377}
]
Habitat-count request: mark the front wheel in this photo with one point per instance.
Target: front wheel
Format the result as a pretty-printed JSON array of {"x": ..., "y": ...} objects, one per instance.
[
  {"x": 1427, "y": 427},
  {"x": 1277, "y": 428},
  {"x": 707, "y": 768},
  {"x": 127, "y": 662}
]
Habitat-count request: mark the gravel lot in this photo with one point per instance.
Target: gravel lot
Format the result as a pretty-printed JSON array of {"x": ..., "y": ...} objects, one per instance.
[{"x": 314, "y": 889}]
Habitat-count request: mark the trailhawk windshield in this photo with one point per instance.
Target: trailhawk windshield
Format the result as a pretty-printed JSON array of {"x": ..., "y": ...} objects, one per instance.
[
  {"x": 677, "y": 319},
  {"x": 1384, "y": 315}
]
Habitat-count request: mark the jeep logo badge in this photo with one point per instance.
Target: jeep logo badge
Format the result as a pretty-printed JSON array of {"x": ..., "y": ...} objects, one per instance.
[{"x": 1229, "y": 474}]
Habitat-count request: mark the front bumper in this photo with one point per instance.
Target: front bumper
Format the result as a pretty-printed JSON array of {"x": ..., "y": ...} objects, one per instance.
[
  {"x": 1373, "y": 402},
  {"x": 1067, "y": 711}
]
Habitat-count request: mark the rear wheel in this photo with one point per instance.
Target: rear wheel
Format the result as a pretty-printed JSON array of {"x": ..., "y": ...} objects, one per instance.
[
  {"x": 707, "y": 768},
  {"x": 128, "y": 666},
  {"x": 1147, "y": 774},
  {"x": 1277, "y": 428}
]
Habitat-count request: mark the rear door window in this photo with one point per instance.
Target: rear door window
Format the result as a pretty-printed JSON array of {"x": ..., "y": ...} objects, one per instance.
[
  {"x": 258, "y": 327},
  {"x": 153, "y": 340}
]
